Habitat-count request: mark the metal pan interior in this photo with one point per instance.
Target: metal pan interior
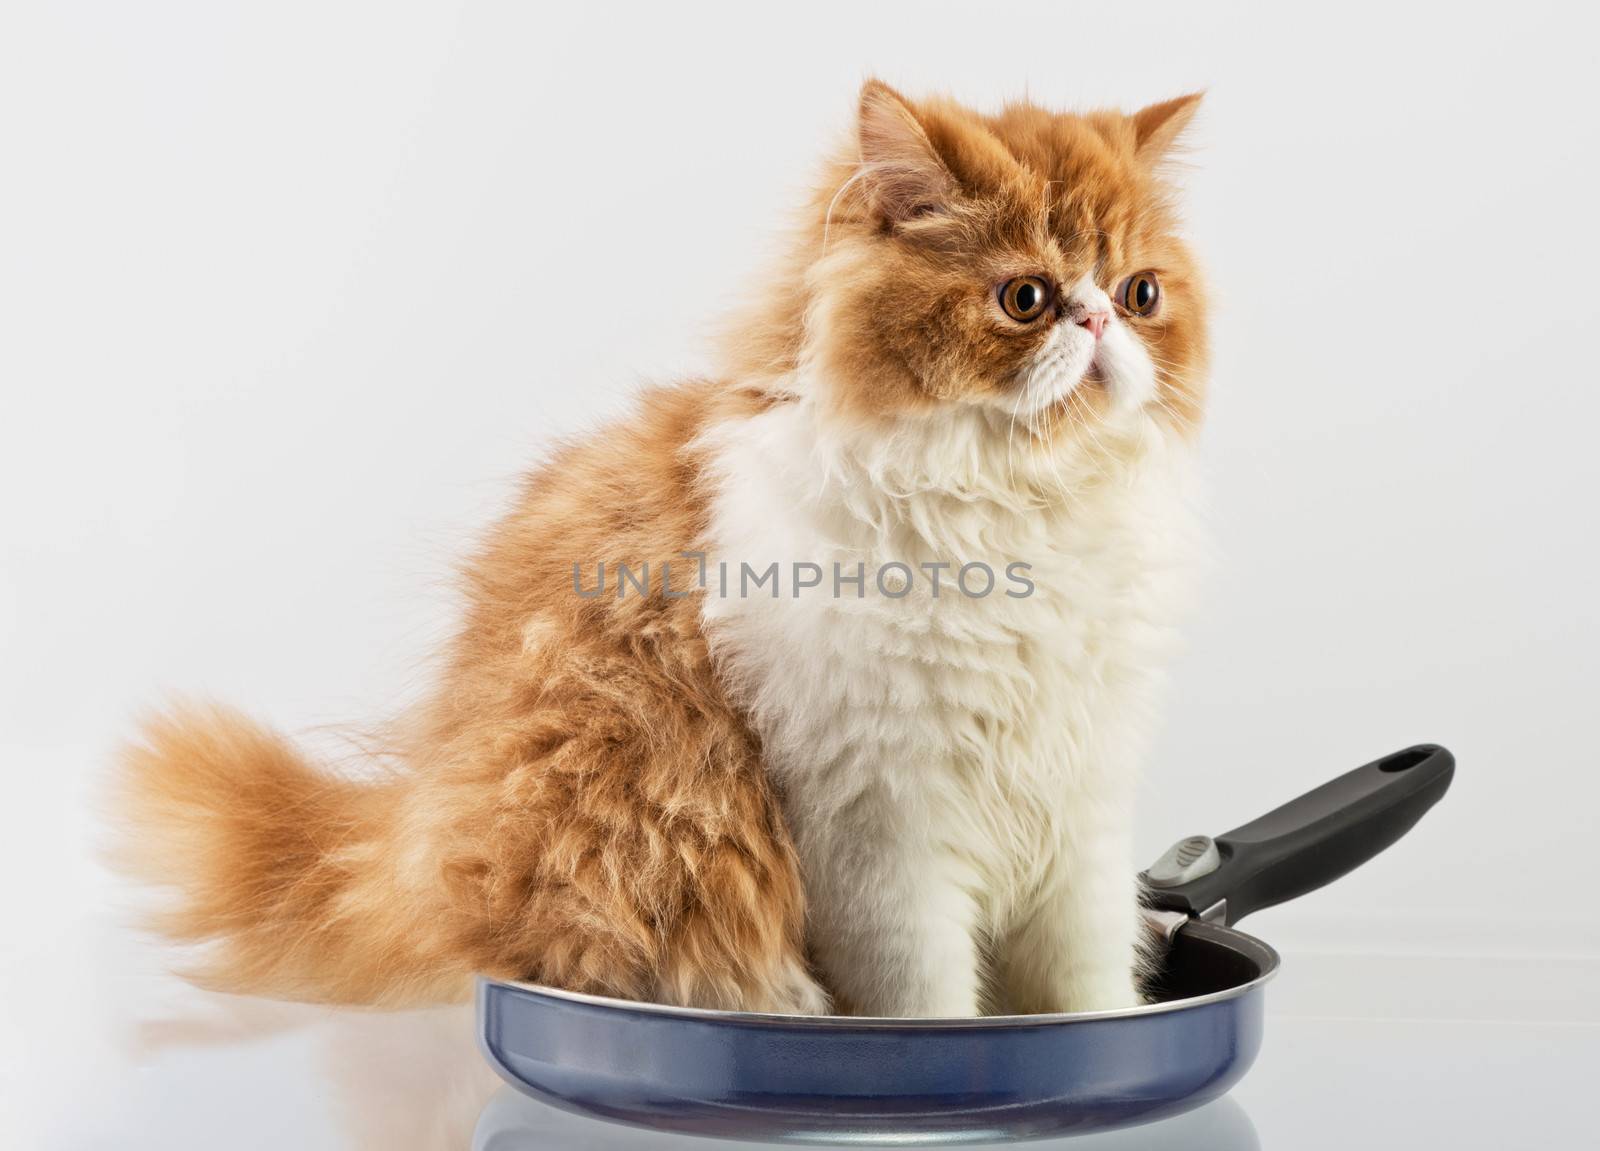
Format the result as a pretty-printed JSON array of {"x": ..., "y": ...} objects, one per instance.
[
  {"x": 1204, "y": 963},
  {"x": 1207, "y": 960}
]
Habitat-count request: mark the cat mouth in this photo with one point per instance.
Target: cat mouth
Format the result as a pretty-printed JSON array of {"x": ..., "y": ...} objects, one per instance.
[{"x": 1051, "y": 382}]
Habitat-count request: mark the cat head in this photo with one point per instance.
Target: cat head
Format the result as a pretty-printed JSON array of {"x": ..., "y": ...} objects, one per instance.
[{"x": 1026, "y": 263}]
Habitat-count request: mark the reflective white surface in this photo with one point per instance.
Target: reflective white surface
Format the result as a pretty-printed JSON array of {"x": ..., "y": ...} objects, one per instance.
[{"x": 1468, "y": 1085}]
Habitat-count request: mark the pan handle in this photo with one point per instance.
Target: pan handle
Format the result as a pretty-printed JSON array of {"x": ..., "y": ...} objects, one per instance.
[{"x": 1306, "y": 843}]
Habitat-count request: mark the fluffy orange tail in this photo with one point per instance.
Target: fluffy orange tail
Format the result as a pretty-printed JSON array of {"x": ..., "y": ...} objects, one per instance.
[{"x": 286, "y": 876}]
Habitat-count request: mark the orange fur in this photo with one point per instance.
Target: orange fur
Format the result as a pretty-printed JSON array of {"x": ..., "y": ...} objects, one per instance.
[
  {"x": 908, "y": 292},
  {"x": 581, "y": 804}
]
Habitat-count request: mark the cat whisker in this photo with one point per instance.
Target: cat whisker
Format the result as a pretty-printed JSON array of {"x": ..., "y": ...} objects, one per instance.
[{"x": 1086, "y": 422}]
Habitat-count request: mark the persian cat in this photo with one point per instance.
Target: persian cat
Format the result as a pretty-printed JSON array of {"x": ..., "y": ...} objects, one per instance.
[{"x": 819, "y": 684}]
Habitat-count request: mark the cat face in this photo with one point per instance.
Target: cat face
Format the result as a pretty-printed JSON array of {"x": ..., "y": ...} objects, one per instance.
[{"x": 1026, "y": 262}]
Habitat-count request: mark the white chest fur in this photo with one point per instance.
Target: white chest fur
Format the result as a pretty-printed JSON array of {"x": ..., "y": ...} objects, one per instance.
[{"x": 957, "y": 768}]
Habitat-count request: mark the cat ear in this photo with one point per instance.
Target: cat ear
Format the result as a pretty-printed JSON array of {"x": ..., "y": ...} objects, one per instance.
[
  {"x": 901, "y": 172},
  {"x": 1156, "y": 129}
]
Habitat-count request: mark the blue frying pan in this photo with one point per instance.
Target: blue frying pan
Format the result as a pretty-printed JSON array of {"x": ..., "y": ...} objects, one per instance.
[{"x": 837, "y": 1079}]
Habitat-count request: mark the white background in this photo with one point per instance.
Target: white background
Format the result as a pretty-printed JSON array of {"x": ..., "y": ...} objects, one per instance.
[{"x": 289, "y": 293}]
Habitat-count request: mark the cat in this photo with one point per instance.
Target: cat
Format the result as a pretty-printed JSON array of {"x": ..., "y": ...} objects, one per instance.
[{"x": 817, "y": 685}]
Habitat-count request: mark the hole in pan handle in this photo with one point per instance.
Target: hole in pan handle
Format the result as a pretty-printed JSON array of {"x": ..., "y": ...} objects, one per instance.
[{"x": 1310, "y": 841}]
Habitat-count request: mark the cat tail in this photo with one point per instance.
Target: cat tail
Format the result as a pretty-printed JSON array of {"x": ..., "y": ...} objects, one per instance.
[{"x": 288, "y": 879}]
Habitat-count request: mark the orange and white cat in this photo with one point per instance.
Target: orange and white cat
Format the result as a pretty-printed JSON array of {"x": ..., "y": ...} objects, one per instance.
[{"x": 892, "y": 773}]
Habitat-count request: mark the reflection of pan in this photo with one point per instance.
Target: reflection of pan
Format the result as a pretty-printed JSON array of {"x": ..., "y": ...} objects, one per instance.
[
  {"x": 513, "y": 1122},
  {"x": 826, "y": 1079}
]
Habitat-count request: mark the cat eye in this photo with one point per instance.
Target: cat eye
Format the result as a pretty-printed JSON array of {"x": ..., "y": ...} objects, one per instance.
[
  {"x": 1140, "y": 294},
  {"x": 1025, "y": 298}
]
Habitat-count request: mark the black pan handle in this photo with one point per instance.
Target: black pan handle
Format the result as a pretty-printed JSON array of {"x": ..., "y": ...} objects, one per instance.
[{"x": 1306, "y": 843}]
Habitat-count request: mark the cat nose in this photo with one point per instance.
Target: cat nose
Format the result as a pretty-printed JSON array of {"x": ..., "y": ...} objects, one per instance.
[
  {"x": 1095, "y": 322},
  {"x": 1091, "y": 313}
]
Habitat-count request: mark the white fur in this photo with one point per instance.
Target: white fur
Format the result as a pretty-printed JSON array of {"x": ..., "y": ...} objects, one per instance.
[{"x": 958, "y": 772}]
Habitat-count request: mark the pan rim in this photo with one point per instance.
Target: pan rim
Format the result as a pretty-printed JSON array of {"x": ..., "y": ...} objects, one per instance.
[{"x": 1227, "y": 936}]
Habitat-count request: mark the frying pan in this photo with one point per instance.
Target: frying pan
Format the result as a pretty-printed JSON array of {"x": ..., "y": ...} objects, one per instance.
[{"x": 837, "y": 1079}]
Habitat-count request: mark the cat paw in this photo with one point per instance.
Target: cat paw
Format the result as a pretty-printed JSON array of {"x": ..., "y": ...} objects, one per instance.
[
  {"x": 795, "y": 992},
  {"x": 1107, "y": 992}
]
